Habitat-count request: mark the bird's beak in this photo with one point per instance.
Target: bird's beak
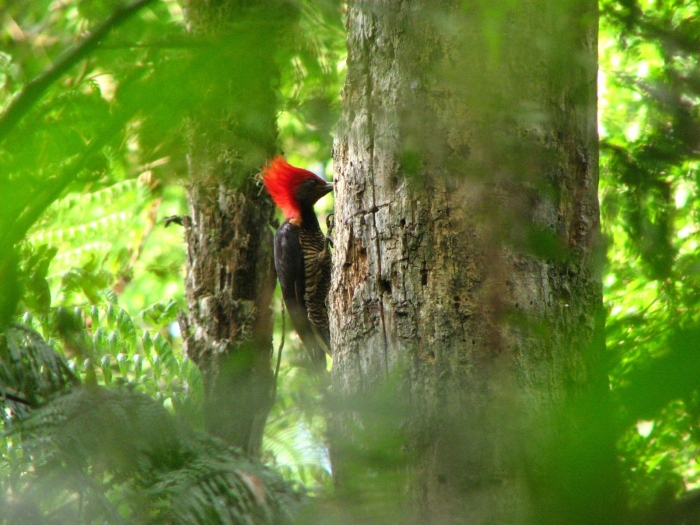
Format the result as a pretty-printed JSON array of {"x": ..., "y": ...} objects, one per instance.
[{"x": 326, "y": 189}]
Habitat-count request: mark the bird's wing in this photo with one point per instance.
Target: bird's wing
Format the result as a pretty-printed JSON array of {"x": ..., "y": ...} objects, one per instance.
[{"x": 289, "y": 263}]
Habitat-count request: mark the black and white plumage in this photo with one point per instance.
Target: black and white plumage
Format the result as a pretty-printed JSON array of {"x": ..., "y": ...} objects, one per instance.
[{"x": 302, "y": 254}]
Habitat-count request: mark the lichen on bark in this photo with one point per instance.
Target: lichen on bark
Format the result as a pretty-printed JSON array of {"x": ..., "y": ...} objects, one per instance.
[
  {"x": 230, "y": 272},
  {"x": 467, "y": 237}
]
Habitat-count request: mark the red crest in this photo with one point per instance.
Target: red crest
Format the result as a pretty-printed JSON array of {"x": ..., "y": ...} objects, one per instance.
[{"x": 282, "y": 181}]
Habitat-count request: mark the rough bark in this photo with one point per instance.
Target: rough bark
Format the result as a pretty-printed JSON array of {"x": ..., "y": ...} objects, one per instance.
[
  {"x": 230, "y": 270},
  {"x": 467, "y": 253}
]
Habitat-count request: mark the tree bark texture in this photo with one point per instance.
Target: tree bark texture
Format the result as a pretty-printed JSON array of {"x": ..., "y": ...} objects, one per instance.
[
  {"x": 230, "y": 270},
  {"x": 467, "y": 247}
]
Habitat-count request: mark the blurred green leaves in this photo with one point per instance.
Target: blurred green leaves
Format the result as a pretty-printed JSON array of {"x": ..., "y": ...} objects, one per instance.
[
  {"x": 97, "y": 161},
  {"x": 90, "y": 170},
  {"x": 650, "y": 147},
  {"x": 98, "y": 455}
]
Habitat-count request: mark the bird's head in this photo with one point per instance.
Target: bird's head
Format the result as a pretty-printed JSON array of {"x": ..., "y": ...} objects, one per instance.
[{"x": 293, "y": 188}]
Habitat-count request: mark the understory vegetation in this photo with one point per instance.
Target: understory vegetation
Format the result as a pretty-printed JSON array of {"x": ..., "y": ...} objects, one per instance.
[{"x": 93, "y": 142}]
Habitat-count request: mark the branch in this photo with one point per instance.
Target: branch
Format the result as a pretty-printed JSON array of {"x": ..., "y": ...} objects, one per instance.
[
  {"x": 124, "y": 273},
  {"x": 279, "y": 360},
  {"x": 16, "y": 397},
  {"x": 167, "y": 43},
  {"x": 38, "y": 201},
  {"x": 36, "y": 87}
]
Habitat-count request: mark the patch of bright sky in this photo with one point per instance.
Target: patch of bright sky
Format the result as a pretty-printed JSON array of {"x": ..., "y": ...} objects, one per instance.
[
  {"x": 687, "y": 231},
  {"x": 682, "y": 194},
  {"x": 175, "y": 10},
  {"x": 632, "y": 131},
  {"x": 614, "y": 101},
  {"x": 644, "y": 428}
]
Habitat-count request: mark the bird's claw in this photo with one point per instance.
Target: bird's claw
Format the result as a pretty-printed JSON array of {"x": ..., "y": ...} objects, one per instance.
[{"x": 330, "y": 226}]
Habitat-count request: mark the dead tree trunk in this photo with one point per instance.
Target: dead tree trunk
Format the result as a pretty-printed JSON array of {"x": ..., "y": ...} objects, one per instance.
[
  {"x": 467, "y": 257},
  {"x": 230, "y": 271}
]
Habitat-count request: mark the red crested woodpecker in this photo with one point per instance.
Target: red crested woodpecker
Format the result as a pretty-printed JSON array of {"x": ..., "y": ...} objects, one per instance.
[{"x": 302, "y": 256}]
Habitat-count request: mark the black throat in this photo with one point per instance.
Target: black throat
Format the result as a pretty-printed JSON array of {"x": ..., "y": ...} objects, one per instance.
[{"x": 309, "y": 221}]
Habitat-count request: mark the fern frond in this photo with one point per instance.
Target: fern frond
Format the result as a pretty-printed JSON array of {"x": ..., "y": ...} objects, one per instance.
[
  {"x": 122, "y": 450},
  {"x": 30, "y": 370}
]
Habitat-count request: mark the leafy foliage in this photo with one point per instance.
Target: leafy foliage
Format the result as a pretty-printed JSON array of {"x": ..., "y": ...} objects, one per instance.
[
  {"x": 127, "y": 460},
  {"x": 294, "y": 440},
  {"x": 649, "y": 124},
  {"x": 93, "y": 167},
  {"x": 90, "y": 169},
  {"x": 30, "y": 371}
]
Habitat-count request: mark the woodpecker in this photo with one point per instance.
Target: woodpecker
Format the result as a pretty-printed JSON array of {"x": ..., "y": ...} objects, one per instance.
[{"x": 302, "y": 254}]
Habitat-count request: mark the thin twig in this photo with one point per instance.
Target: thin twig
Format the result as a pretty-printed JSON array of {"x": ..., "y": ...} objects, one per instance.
[
  {"x": 279, "y": 358},
  {"x": 38, "y": 202},
  {"x": 15, "y": 397},
  {"x": 125, "y": 272},
  {"x": 170, "y": 43},
  {"x": 36, "y": 87}
]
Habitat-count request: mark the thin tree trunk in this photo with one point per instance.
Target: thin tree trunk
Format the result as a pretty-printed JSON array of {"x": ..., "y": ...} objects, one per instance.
[
  {"x": 230, "y": 271},
  {"x": 468, "y": 258}
]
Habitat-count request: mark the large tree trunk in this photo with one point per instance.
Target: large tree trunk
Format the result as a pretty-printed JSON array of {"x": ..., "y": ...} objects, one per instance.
[
  {"x": 467, "y": 255},
  {"x": 230, "y": 271}
]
